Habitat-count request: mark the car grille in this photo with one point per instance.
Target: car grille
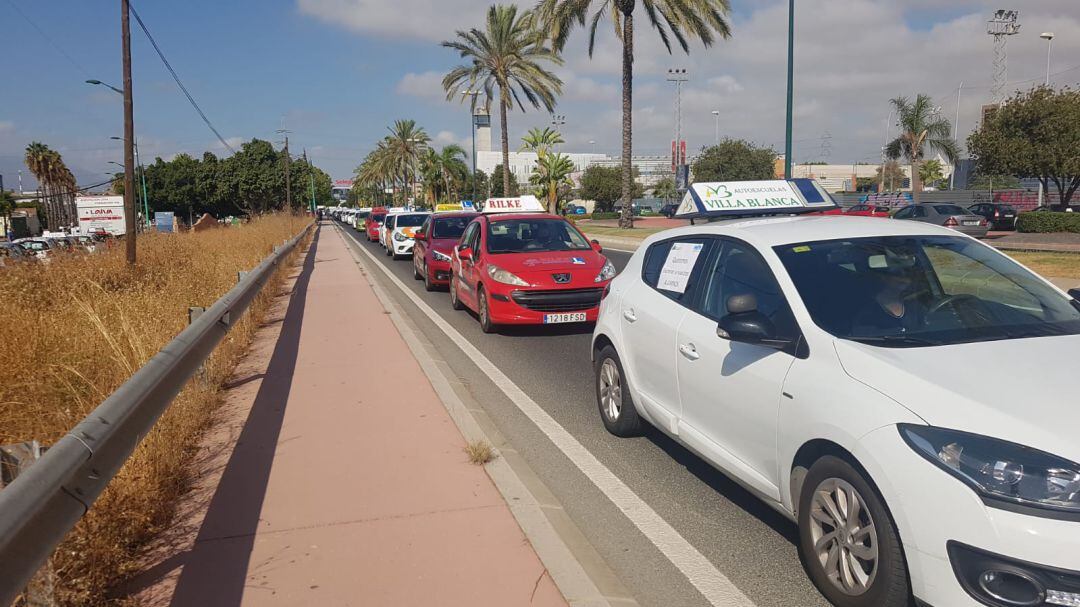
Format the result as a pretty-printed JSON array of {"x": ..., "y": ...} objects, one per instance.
[{"x": 564, "y": 300}]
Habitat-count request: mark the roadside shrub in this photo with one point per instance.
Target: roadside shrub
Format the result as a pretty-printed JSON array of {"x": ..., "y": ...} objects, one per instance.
[
  {"x": 1048, "y": 221},
  {"x": 605, "y": 215},
  {"x": 76, "y": 328}
]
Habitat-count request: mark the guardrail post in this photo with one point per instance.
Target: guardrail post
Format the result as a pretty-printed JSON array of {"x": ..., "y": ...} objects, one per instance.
[
  {"x": 14, "y": 460},
  {"x": 193, "y": 314},
  {"x": 242, "y": 273}
]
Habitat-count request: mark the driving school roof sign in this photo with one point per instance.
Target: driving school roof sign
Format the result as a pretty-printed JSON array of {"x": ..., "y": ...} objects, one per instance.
[
  {"x": 740, "y": 198},
  {"x": 521, "y": 204}
]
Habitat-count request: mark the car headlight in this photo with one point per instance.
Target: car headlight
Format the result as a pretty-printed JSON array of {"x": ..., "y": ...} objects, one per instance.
[
  {"x": 1000, "y": 471},
  {"x": 500, "y": 275},
  {"x": 440, "y": 256},
  {"x": 606, "y": 273},
  {"x": 398, "y": 236}
]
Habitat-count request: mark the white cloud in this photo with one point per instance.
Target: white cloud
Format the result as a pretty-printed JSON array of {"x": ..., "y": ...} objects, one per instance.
[
  {"x": 426, "y": 85},
  {"x": 424, "y": 19},
  {"x": 6, "y": 125},
  {"x": 447, "y": 137}
]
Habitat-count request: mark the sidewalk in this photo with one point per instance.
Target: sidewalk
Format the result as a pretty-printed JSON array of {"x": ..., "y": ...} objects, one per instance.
[{"x": 348, "y": 484}]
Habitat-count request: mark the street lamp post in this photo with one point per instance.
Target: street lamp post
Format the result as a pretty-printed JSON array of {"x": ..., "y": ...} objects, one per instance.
[
  {"x": 1049, "y": 37},
  {"x": 557, "y": 121},
  {"x": 790, "y": 87},
  {"x": 716, "y": 116},
  {"x": 472, "y": 135},
  {"x": 678, "y": 76}
]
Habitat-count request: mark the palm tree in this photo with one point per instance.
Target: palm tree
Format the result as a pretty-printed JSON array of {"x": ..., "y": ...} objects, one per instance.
[
  {"x": 922, "y": 129},
  {"x": 54, "y": 179},
  {"x": 507, "y": 55},
  {"x": 541, "y": 140},
  {"x": 681, "y": 19},
  {"x": 665, "y": 190},
  {"x": 931, "y": 172},
  {"x": 551, "y": 173},
  {"x": 403, "y": 147},
  {"x": 450, "y": 169}
]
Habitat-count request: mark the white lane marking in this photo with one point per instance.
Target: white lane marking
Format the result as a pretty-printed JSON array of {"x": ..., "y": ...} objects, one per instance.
[{"x": 713, "y": 585}]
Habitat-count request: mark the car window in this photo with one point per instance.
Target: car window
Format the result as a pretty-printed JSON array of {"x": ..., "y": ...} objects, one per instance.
[
  {"x": 918, "y": 212},
  {"x": 450, "y": 227},
  {"x": 467, "y": 238},
  {"x": 409, "y": 221},
  {"x": 904, "y": 291},
  {"x": 949, "y": 209},
  {"x": 739, "y": 270},
  {"x": 904, "y": 213},
  {"x": 665, "y": 266}
]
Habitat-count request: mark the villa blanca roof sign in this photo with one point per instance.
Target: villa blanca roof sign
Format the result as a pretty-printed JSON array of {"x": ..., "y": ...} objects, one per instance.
[{"x": 741, "y": 198}]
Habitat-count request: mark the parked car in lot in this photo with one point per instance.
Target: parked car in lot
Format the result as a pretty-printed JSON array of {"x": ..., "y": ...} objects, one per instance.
[
  {"x": 668, "y": 210},
  {"x": 817, "y": 362},
  {"x": 434, "y": 244},
  {"x": 868, "y": 210},
  {"x": 11, "y": 253},
  {"x": 41, "y": 248},
  {"x": 948, "y": 215},
  {"x": 997, "y": 216},
  {"x": 516, "y": 264},
  {"x": 399, "y": 230}
]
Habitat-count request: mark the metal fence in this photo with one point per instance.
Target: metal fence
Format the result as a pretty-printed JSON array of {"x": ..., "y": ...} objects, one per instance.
[{"x": 41, "y": 505}]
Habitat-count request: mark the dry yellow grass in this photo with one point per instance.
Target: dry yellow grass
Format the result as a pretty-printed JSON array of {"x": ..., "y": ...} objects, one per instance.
[
  {"x": 75, "y": 329},
  {"x": 479, "y": 452},
  {"x": 1055, "y": 265}
]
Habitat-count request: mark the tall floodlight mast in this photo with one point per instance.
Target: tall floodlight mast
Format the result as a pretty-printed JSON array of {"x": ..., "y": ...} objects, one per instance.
[{"x": 1003, "y": 25}]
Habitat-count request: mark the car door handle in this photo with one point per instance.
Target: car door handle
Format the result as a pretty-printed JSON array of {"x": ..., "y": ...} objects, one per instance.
[
  {"x": 689, "y": 351},
  {"x": 629, "y": 315}
]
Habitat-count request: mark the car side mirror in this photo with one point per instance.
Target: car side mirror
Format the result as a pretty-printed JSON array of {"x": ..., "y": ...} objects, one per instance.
[
  {"x": 745, "y": 323},
  {"x": 596, "y": 246},
  {"x": 418, "y": 235},
  {"x": 1075, "y": 293},
  {"x": 464, "y": 253}
]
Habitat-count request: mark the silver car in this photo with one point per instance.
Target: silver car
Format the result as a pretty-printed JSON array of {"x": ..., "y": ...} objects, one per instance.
[{"x": 946, "y": 214}]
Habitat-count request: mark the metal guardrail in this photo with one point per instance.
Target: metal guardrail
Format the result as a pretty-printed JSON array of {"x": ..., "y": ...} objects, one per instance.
[{"x": 42, "y": 505}]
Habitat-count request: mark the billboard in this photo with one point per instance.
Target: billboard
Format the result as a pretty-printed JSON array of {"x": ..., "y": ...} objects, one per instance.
[{"x": 101, "y": 214}]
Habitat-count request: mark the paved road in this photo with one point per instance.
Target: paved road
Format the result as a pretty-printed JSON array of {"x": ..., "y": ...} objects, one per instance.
[{"x": 746, "y": 541}]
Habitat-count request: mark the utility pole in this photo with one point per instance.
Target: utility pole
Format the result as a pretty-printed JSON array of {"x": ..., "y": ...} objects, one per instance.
[
  {"x": 790, "y": 87},
  {"x": 678, "y": 76},
  {"x": 288, "y": 177},
  {"x": 129, "y": 136},
  {"x": 716, "y": 117}
]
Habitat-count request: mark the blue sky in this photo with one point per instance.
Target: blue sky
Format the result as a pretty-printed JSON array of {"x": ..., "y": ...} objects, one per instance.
[{"x": 336, "y": 72}]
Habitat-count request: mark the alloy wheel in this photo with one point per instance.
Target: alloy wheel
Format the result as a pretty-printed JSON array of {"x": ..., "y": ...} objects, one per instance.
[
  {"x": 610, "y": 390},
  {"x": 844, "y": 536}
]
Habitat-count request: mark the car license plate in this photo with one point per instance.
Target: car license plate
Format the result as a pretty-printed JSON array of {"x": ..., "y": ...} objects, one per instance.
[
  {"x": 551, "y": 319},
  {"x": 971, "y": 223}
]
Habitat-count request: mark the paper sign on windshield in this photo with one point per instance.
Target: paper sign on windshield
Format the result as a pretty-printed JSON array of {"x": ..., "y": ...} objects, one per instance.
[{"x": 677, "y": 267}]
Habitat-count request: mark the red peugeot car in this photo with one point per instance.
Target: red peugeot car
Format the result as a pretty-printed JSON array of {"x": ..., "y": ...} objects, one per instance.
[
  {"x": 433, "y": 244},
  {"x": 374, "y": 223},
  {"x": 527, "y": 268}
]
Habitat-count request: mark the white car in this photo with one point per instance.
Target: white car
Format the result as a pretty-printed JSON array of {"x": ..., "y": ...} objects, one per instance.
[
  {"x": 399, "y": 230},
  {"x": 905, "y": 393}
]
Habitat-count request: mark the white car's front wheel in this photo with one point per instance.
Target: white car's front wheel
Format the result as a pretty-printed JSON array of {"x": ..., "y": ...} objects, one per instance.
[
  {"x": 848, "y": 540},
  {"x": 613, "y": 396}
]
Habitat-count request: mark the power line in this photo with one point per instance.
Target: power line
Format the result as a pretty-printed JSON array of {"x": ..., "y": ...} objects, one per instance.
[
  {"x": 48, "y": 39},
  {"x": 177, "y": 79}
]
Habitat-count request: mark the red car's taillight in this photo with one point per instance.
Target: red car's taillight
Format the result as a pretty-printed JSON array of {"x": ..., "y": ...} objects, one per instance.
[
  {"x": 950, "y": 222},
  {"x": 984, "y": 223}
]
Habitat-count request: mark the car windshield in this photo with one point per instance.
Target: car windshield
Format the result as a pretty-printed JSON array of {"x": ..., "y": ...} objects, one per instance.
[
  {"x": 34, "y": 245},
  {"x": 950, "y": 209},
  {"x": 378, "y": 218},
  {"x": 410, "y": 221},
  {"x": 534, "y": 235},
  {"x": 450, "y": 227},
  {"x": 904, "y": 291}
]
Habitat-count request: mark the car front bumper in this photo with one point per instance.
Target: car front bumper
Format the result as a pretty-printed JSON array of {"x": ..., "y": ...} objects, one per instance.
[
  {"x": 512, "y": 305},
  {"x": 438, "y": 271},
  {"x": 933, "y": 510},
  {"x": 401, "y": 247}
]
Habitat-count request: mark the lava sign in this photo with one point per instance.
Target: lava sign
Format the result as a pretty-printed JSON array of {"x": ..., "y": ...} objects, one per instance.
[{"x": 101, "y": 214}]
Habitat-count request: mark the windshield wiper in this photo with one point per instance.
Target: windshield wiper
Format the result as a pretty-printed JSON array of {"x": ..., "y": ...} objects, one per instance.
[{"x": 898, "y": 340}]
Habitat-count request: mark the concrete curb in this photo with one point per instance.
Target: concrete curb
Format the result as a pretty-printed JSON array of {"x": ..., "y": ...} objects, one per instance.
[
  {"x": 533, "y": 515},
  {"x": 616, "y": 242}
]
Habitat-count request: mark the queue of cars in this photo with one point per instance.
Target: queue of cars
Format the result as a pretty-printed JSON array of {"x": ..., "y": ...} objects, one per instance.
[
  {"x": 814, "y": 360},
  {"x": 42, "y": 248}
]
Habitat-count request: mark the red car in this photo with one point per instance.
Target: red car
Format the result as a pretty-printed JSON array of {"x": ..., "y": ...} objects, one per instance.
[
  {"x": 374, "y": 223},
  {"x": 434, "y": 243},
  {"x": 527, "y": 268},
  {"x": 868, "y": 210}
]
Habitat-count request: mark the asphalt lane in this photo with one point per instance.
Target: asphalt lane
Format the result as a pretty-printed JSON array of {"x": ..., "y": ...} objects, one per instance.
[{"x": 747, "y": 541}]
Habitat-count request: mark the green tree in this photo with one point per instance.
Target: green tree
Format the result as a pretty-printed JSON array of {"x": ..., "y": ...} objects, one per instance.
[
  {"x": 931, "y": 172},
  {"x": 551, "y": 176},
  {"x": 482, "y": 185},
  {"x": 681, "y": 19},
  {"x": 444, "y": 171},
  {"x": 604, "y": 185},
  {"x": 922, "y": 130},
  {"x": 734, "y": 160},
  {"x": 892, "y": 178},
  {"x": 665, "y": 190},
  {"x": 1035, "y": 134},
  {"x": 541, "y": 140},
  {"x": 499, "y": 178},
  {"x": 508, "y": 55}
]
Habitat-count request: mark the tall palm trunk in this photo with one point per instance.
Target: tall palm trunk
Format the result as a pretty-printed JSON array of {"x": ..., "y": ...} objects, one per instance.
[
  {"x": 626, "y": 218},
  {"x": 916, "y": 183},
  {"x": 503, "y": 101}
]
